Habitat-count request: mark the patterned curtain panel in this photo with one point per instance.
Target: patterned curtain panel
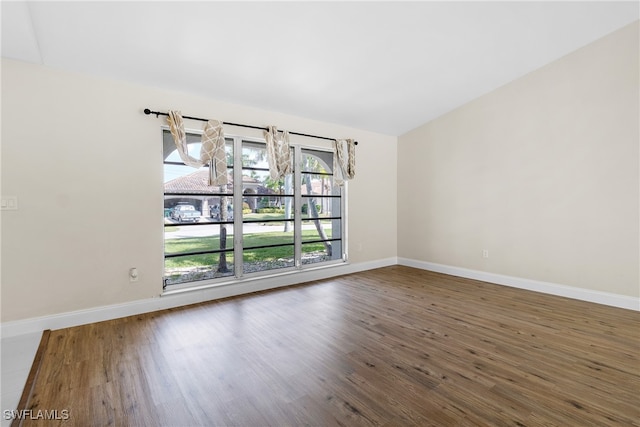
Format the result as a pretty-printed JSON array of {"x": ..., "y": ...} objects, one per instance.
[
  {"x": 344, "y": 162},
  {"x": 211, "y": 153},
  {"x": 278, "y": 153}
]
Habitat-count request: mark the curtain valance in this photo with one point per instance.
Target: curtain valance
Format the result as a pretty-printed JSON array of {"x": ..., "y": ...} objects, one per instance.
[
  {"x": 278, "y": 153},
  {"x": 212, "y": 151},
  {"x": 344, "y": 160}
]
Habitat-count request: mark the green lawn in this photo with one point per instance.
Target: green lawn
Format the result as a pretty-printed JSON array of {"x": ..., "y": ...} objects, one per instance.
[
  {"x": 272, "y": 216},
  {"x": 194, "y": 244}
]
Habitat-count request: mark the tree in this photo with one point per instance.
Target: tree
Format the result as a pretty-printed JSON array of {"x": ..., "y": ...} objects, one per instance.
[
  {"x": 288, "y": 189},
  {"x": 313, "y": 165},
  {"x": 224, "y": 215}
]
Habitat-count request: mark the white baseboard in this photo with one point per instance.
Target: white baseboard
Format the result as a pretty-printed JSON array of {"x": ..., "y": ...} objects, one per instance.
[
  {"x": 178, "y": 299},
  {"x": 605, "y": 298}
]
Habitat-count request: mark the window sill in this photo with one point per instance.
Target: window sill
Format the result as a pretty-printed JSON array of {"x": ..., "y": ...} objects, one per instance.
[{"x": 253, "y": 278}]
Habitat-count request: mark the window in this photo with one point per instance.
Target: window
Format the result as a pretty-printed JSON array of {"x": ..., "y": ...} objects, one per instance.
[{"x": 254, "y": 225}]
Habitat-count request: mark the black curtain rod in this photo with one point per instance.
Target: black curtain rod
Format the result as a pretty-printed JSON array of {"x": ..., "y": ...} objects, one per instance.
[{"x": 159, "y": 113}]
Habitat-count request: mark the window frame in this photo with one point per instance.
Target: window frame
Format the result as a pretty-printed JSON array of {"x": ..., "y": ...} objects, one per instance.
[{"x": 238, "y": 195}]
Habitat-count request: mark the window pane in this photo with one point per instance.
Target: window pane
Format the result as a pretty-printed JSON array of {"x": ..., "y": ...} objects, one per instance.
[
  {"x": 220, "y": 209},
  {"x": 193, "y": 146},
  {"x": 322, "y": 207},
  {"x": 259, "y": 183},
  {"x": 268, "y": 207},
  {"x": 199, "y": 219},
  {"x": 260, "y": 191},
  {"x": 320, "y": 230},
  {"x": 187, "y": 180},
  {"x": 283, "y": 186},
  {"x": 257, "y": 234},
  {"x": 317, "y": 161},
  {"x": 321, "y": 252},
  {"x": 190, "y": 268},
  {"x": 254, "y": 154},
  {"x": 175, "y": 169},
  {"x": 197, "y": 238},
  {"x": 190, "y": 200},
  {"x": 256, "y": 260},
  {"x": 321, "y": 185},
  {"x": 190, "y": 239}
]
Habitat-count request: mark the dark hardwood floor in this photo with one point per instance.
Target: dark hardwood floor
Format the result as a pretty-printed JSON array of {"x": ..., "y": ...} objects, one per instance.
[{"x": 392, "y": 347}]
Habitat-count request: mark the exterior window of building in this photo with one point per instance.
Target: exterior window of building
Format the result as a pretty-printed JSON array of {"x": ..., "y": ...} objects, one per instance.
[{"x": 254, "y": 225}]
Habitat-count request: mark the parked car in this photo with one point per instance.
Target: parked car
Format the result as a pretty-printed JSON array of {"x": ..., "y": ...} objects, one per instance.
[
  {"x": 214, "y": 212},
  {"x": 183, "y": 213}
]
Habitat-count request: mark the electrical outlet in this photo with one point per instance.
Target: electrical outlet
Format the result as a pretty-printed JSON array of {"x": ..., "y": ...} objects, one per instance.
[
  {"x": 485, "y": 253},
  {"x": 9, "y": 203},
  {"x": 133, "y": 274}
]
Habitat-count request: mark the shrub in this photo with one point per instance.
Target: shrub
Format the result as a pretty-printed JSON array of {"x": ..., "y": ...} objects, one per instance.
[
  {"x": 305, "y": 208},
  {"x": 271, "y": 210}
]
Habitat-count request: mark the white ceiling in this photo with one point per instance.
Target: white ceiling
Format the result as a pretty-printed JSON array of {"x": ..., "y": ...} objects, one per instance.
[{"x": 386, "y": 67}]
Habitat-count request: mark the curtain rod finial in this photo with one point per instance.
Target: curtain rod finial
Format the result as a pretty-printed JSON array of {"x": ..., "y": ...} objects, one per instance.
[{"x": 147, "y": 111}]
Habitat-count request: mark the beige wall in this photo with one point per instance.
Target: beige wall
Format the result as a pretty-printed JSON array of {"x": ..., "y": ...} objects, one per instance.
[
  {"x": 86, "y": 165},
  {"x": 543, "y": 173}
]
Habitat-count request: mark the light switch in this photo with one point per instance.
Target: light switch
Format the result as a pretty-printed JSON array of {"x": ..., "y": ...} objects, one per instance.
[{"x": 9, "y": 203}]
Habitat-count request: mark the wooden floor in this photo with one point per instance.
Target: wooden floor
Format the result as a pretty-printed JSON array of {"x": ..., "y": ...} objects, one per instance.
[{"x": 392, "y": 347}]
